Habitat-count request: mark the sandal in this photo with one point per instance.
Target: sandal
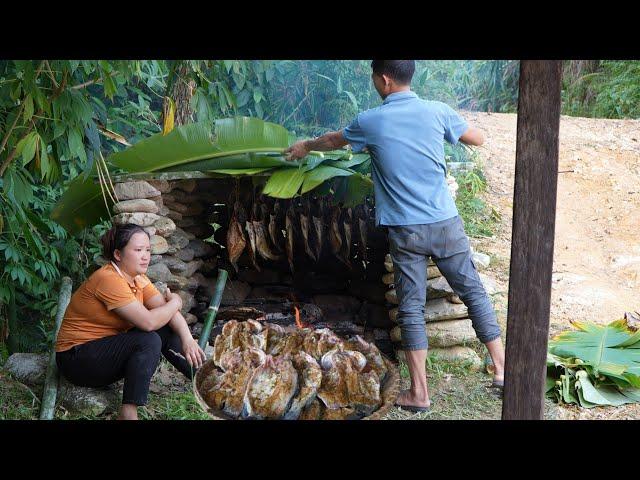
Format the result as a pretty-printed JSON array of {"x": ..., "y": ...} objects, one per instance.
[{"x": 413, "y": 408}]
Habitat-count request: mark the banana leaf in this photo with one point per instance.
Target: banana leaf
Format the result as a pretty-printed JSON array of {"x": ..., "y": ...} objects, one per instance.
[
  {"x": 612, "y": 350},
  {"x": 284, "y": 183},
  {"x": 195, "y": 141},
  {"x": 351, "y": 161},
  {"x": 352, "y": 190},
  {"x": 240, "y": 171},
  {"x": 602, "y": 395},
  {"x": 238, "y": 161},
  {"x": 320, "y": 174},
  {"x": 81, "y": 206}
]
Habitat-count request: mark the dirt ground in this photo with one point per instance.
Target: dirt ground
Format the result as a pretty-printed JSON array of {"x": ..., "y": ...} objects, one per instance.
[{"x": 596, "y": 267}]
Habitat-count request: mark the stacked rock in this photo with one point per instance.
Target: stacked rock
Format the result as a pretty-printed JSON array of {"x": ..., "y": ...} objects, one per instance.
[{"x": 167, "y": 213}]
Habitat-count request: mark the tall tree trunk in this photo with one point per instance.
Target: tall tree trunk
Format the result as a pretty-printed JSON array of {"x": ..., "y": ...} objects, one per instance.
[
  {"x": 534, "y": 216},
  {"x": 180, "y": 89}
]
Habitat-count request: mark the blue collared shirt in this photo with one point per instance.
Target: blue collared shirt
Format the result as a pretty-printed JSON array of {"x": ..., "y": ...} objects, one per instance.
[{"x": 405, "y": 137}]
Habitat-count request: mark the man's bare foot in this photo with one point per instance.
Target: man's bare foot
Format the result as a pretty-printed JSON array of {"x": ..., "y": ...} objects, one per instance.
[{"x": 409, "y": 399}]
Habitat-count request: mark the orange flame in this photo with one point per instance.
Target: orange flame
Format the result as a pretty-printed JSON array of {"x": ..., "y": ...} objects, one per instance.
[{"x": 299, "y": 324}]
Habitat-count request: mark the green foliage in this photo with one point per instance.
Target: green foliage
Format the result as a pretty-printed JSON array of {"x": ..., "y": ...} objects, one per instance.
[
  {"x": 479, "y": 219},
  {"x": 604, "y": 89},
  {"x": 50, "y": 115}
]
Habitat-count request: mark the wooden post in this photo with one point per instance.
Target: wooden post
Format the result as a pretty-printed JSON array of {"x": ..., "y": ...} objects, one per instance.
[
  {"x": 50, "y": 392},
  {"x": 534, "y": 212}
]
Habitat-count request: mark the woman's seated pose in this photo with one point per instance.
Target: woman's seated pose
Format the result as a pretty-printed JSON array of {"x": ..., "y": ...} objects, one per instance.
[{"x": 117, "y": 324}]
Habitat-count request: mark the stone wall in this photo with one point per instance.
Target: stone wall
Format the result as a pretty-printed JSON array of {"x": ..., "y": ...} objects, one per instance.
[{"x": 177, "y": 215}]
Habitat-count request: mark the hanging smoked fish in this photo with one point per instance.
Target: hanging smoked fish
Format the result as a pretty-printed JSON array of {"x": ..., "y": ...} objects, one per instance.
[
  {"x": 235, "y": 236},
  {"x": 335, "y": 240},
  {"x": 276, "y": 218},
  {"x": 345, "y": 251},
  {"x": 304, "y": 227},
  {"x": 260, "y": 231},
  {"x": 290, "y": 229},
  {"x": 317, "y": 222},
  {"x": 252, "y": 240},
  {"x": 360, "y": 213}
]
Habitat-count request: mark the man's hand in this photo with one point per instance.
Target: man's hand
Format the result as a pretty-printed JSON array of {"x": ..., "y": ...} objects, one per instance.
[
  {"x": 297, "y": 150},
  {"x": 192, "y": 352}
]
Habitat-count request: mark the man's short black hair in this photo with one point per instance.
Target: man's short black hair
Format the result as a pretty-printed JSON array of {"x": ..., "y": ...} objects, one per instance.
[{"x": 399, "y": 70}]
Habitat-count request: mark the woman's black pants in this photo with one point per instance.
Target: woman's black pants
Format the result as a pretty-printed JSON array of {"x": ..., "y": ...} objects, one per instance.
[{"x": 133, "y": 355}]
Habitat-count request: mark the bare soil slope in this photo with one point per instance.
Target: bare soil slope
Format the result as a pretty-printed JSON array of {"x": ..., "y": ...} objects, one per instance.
[{"x": 596, "y": 268}]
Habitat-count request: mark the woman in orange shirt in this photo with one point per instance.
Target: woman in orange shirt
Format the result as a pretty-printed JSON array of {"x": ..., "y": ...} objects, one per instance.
[{"x": 117, "y": 324}]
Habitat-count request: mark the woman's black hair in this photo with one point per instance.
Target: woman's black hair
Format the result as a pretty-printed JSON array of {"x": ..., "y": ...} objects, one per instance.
[{"x": 117, "y": 237}]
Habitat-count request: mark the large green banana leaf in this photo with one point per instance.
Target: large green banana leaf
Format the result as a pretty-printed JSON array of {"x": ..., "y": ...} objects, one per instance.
[
  {"x": 235, "y": 146},
  {"x": 612, "y": 350},
  {"x": 81, "y": 206},
  {"x": 195, "y": 141}
]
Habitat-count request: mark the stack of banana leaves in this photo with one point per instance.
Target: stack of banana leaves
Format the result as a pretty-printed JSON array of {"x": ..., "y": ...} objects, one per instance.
[
  {"x": 231, "y": 146},
  {"x": 595, "y": 365}
]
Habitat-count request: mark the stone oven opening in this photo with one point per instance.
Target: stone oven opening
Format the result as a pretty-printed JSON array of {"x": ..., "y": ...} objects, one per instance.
[{"x": 323, "y": 261}]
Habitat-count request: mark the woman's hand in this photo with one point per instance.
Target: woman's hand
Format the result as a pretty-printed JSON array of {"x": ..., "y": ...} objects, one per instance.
[
  {"x": 192, "y": 352},
  {"x": 168, "y": 296}
]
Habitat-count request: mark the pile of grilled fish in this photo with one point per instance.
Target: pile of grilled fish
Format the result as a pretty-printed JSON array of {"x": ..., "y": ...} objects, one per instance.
[
  {"x": 275, "y": 229},
  {"x": 273, "y": 372}
]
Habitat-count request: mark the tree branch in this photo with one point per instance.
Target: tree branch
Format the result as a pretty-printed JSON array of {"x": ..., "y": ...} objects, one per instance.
[{"x": 91, "y": 82}]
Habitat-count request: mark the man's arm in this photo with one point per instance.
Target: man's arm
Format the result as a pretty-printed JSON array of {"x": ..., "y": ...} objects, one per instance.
[
  {"x": 328, "y": 141},
  {"x": 472, "y": 136}
]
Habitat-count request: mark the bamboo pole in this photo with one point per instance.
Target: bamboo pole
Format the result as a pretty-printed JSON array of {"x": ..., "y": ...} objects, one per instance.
[
  {"x": 213, "y": 307},
  {"x": 50, "y": 392}
]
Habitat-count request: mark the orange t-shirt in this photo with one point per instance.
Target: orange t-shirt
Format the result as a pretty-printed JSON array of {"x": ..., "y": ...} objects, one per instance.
[{"x": 89, "y": 315}]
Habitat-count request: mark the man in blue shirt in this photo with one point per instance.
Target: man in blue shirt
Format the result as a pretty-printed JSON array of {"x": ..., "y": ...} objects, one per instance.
[{"x": 405, "y": 137}]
